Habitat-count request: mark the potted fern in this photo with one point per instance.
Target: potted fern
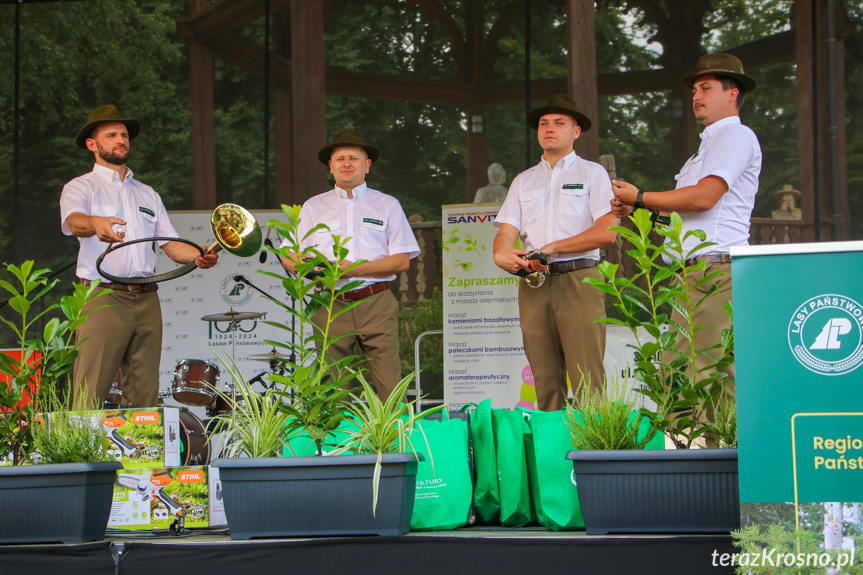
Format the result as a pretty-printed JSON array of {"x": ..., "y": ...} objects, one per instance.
[
  {"x": 67, "y": 497},
  {"x": 665, "y": 491},
  {"x": 370, "y": 492}
]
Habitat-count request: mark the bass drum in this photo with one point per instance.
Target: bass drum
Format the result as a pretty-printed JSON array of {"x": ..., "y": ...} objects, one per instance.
[{"x": 195, "y": 449}]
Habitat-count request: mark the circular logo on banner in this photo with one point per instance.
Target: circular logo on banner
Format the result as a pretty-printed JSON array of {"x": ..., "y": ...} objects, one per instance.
[
  {"x": 825, "y": 334},
  {"x": 234, "y": 292}
]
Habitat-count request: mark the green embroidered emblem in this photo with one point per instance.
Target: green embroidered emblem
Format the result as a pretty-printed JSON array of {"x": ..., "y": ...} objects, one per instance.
[
  {"x": 147, "y": 211},
  {"x": 573, "y": 186},
  {"x": 372, "y": 221}
]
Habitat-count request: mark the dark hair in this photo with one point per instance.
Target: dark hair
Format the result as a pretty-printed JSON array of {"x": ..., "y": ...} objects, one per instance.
[{"x": 730, "y": 83}]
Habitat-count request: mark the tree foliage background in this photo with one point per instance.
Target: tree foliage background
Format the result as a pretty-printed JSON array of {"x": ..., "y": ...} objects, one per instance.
[{"x": 81, "y": 54}]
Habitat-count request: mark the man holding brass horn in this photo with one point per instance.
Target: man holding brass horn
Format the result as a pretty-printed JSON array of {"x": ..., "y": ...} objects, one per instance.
[
  {"x": 559, "y": 208},
  {"x": 102, "y": 207},
  {"x": 380, "y": 234}
]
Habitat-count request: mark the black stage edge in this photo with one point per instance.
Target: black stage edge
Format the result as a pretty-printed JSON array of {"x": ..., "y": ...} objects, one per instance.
[
  {"x": 436, "y": 555},
  {"x": 91, "y": 558}
]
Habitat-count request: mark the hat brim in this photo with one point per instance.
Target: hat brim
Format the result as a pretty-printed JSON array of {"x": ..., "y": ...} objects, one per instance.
[
  {"x": 327, "y": 151},
  {"x": 534, "y": 115},
  {"x": 84, "y": 133},
  {"x": 749, "y": 84}
]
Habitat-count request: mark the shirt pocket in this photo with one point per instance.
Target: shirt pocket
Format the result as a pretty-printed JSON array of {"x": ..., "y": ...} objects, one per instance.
[
  {"x": 574, "y": 200},
  {"x": 532, "y": 204},
  {"x": 105, "y": 210},
  {"x": 690, "y": 173},
  {"x": 375, "y": 234},
  {"x": 324, "y": 237},
  {"x": 147, "y": 223}
]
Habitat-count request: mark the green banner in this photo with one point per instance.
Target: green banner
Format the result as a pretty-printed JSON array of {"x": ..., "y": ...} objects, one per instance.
[{"x": 798, "y": 323}]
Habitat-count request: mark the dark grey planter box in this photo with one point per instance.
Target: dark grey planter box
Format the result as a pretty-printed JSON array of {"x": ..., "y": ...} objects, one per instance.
[
  {"x": 665, "y": 491},
  {"x": 306, "y": 496},
  {"x": 61, "y": 502}
]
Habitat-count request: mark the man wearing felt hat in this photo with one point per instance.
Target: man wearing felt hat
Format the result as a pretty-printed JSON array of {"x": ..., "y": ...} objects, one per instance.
[
  {"x": 560, "y": 211},
  {"x": 380, "y": 234},
  {"x": 104, "y": 206},
  {"x": 715, "y": 188}
]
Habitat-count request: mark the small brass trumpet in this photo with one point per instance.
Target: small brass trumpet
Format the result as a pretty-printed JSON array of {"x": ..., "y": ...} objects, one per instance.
[{"x": 534, "y": 279}]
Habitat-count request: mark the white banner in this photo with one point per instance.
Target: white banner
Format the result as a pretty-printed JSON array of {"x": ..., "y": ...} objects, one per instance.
[
  {"x": 187, "y": 299},
  {"x": 483, "y": 350}
]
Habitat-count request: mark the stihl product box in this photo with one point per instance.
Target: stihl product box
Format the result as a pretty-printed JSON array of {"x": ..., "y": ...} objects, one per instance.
[
  {"x": 147, "y": 437},
  {"x": 159, "y": 497}
]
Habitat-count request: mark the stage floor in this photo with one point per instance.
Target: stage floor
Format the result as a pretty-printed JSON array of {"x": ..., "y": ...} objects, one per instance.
[{"x": 473, "y": 550}]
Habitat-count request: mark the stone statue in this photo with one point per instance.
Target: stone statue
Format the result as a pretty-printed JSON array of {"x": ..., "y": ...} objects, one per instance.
[
  {"x": 787, "y": 208},
  {"x": 494, "y": 191}
]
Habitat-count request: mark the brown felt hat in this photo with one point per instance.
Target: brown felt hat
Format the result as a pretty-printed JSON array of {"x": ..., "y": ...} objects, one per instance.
[
  {"x": 345, "y": 139},
  {"x": 558, "y": 104},
  {"x": 103, "y": 115},
  {"x": 721, "y": 65}
]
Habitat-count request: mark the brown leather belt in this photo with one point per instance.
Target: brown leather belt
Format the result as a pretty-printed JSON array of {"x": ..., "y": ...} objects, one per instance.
[
  {"x": 557, "y": 268},
  {"x": 124, "y": 287},
  {"x": 364, "y": 292},
  {"x": 711, "y": 259}
]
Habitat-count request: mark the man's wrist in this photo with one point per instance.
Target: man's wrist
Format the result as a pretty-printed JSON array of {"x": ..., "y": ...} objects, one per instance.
[{"x": 639, "y": 201}]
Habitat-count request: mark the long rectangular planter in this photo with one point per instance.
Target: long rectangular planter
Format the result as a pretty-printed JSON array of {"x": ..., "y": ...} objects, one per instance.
[
  {"x": 671, "y": 491},
  {"x": 306, "y": 496},
  {"x": 61, "y": 502}
]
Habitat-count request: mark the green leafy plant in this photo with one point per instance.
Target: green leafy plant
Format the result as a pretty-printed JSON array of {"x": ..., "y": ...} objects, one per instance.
[
  {"x": 668, "y": 376},
  {"x": 42, "y": 361},
  {"x": 604, "y": 419},
  {"x": 724, "y": 424},
  {"x": 69, "y": 429},
  {"x": 255, "y": 427},
  {"x": 381, "y": 427}
]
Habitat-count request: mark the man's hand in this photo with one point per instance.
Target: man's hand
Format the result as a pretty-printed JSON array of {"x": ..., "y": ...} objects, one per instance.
[
  {"x": 512, "y": 260},
  {"x": 624, "y": 192},
  {"x": 619, "y": 209},
  {"x": 208, "y": 260}
]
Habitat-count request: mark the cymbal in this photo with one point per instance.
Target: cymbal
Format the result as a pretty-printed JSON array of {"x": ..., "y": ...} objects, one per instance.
[
  {"x": 233, "y": 316},
  {"x": 269, "y": 355}
]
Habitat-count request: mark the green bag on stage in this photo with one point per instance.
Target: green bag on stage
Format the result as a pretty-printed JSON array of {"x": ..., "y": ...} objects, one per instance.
[
  {"x": 552, "y": 481},
  {"x": 554, "y": 494},
  {"x": 486, "y": 495},
  {"x": 515, "y": 503},
  {"x": 444, "y": 490}
]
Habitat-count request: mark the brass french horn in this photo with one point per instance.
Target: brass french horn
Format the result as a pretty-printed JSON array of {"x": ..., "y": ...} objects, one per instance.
[{"x": 235, "y": 231}]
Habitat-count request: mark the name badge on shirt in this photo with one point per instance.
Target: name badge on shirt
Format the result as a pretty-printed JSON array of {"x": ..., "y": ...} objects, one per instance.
[
  {"x": 372, "y": 221},
  {"x": 147, "y": 211},
  {"x": 573, "y": 186}
]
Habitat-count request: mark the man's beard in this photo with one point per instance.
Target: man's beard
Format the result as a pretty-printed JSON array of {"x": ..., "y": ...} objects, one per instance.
[{"x": 118, "y": 158}]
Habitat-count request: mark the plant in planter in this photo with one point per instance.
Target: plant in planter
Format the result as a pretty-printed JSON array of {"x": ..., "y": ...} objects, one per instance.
[
  {"x": 68, "y": 502},
  {"x": 310, "y": 401},
  {"x": 631, "y": 490}
]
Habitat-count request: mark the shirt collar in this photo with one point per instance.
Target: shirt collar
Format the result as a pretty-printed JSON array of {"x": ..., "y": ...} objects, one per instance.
[
  {"x": 567, "y": 160},
  {"x": 357, "y": 192},
  {"x": 110, "y": 175},
  {"x": 712, "y": 128}
]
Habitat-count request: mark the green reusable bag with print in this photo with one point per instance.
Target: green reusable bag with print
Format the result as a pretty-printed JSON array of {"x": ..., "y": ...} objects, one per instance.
[
  {"x": 552, "y": 480},
  {"x": 515, "y": 503},
  {"x": 444, "y": 490},
  {"x": 486, "y": 495}
]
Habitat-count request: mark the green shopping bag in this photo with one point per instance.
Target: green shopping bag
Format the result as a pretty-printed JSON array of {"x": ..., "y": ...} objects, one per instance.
[
  {"x": 515, "y": 503},
  {"x": 444, "y": 490},
  {"x": 486, "y": 495},
  {"x": 304, "y": 446},
  {"x": 554, "y": 494}
]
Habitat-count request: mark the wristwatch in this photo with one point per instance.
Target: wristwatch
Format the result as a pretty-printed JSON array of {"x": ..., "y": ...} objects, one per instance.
[{"x": 639, "y": 204}]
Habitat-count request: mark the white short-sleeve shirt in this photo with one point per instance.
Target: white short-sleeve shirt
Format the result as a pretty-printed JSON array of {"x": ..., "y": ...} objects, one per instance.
[
  {"x": 373, "y": 221},
  {"x": 102, "y": 193},
  {"x": 730, "y": 151},
  {"x": 549, "y": 204}
]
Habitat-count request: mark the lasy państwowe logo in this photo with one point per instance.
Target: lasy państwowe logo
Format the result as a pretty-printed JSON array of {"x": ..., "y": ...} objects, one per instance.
[{"x": 826, "y": 334}]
